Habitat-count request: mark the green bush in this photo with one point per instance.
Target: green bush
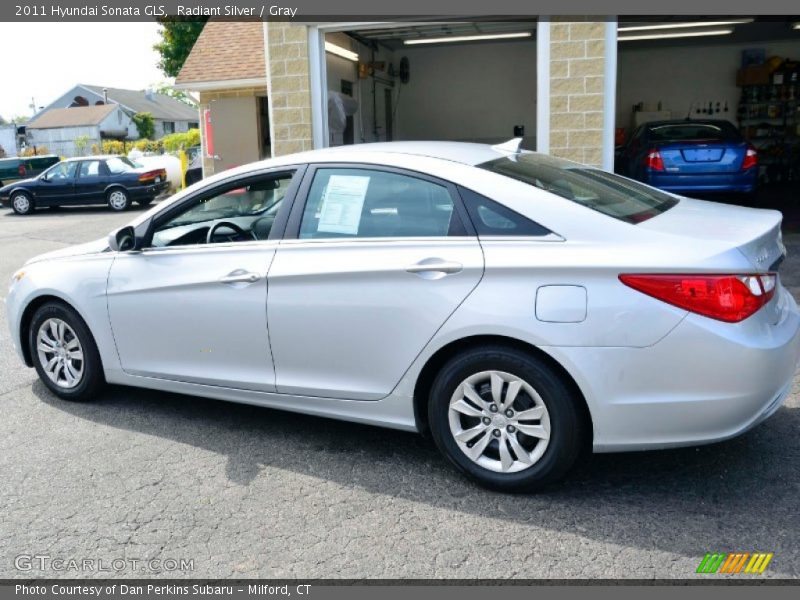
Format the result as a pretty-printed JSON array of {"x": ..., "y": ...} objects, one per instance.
[{"x": 181, "y": 141}]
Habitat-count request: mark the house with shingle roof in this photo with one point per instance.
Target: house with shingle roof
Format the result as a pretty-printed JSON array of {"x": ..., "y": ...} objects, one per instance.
[
  {"x": 226, "y": 67},
  {"x": 170, "y": 115},
  {"x": 72, "y": 131}
]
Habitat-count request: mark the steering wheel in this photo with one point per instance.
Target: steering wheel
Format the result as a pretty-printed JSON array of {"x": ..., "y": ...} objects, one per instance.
[{"x": 241, "y": 234}]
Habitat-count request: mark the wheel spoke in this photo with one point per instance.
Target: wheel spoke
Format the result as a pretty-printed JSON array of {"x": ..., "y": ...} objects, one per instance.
[
  {"x": 465, "y": 408},
  {"x": 505, "y": 455},
  {"x": 475, "y": 452},
  {"x": 54, "y": 331},
  {"x": 73, "y": 344},
  {"x": 51, "y": 365},
  {"x": 511, "y": 393},
  {"x": 76, "y": 355},
  {"x": 531, "y": 414},
  {"x": 43, "y": 347},
  {"x": 522, "y": 454},
  {"x": 70, "y": 374},
  {"x": 537, "y": 431},
  {"x": 46, "y": 340},
  {"x": 497, "y": 389},
  {"x": 471, "y": 394},
  {"x": 61, "y": 332},
  {"x": 469, "y": 434}
]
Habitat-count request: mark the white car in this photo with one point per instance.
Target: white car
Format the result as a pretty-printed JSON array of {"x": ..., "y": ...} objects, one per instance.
[{"x": 518, "y": 307}]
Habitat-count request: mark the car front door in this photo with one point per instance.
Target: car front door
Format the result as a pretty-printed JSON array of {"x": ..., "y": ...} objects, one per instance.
[
  {"x": 57, "y": 184},
  {"x": 191, "y": 306},
  {"x": 91, "y": 182},
  {"x": 379, "y": 260}
]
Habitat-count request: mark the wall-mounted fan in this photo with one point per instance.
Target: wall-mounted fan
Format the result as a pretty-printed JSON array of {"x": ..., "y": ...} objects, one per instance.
[{"x": 405, "y": 72}]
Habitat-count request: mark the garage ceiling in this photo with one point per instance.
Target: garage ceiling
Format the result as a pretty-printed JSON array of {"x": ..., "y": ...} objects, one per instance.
[{"x": 393, "y": 37}]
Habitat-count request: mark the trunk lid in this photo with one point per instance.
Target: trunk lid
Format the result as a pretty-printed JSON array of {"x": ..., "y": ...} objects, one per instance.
[
  {"x": 756, "y": 233},
  {"x": 699, "y": 157}
]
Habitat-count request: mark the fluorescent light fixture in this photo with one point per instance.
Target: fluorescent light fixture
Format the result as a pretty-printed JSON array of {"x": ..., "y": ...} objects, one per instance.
[
  {"x": 677, "y": 34},
  {"x": 682, "y": 25},
  {"x": 339, "y": 51},
  {"x": 796, "y": 26},
  {"x": 468, "y": 38}
]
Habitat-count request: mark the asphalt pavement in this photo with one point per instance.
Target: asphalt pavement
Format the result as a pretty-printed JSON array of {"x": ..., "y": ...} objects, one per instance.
[{"x": 213, "y": 489}]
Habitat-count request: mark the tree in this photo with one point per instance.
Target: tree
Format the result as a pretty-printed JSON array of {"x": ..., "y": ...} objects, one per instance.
[
  {"x": 145, "y": 124},
  {"x": 2, "y": 120},
  {"x": 178, "y": 35},
  {"x": 81, "y": 143},
  {"x": 167, "y": 90}
]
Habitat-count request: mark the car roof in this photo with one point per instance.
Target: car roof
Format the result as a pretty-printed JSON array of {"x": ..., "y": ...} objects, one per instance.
[
  {"x": 93, "y": 157},
  {"x": 467, "y": 153},
  {"x": 688, "y": 122}
]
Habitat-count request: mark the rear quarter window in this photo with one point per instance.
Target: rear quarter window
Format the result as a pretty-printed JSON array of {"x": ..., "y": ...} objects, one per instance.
[{"x": 609, "y": 194}]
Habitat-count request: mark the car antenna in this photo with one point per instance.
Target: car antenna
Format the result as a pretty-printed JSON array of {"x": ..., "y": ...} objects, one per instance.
[{"x": 512, "y": 146}]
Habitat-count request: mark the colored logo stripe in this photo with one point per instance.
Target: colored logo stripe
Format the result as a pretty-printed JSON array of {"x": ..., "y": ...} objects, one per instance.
[{"x": 734, "y": 562}]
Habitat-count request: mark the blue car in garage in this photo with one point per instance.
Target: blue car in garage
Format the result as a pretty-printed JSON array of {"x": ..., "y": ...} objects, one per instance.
[
  {"x": 112, "y": 180},
  {"x": 691, "y": 157}
]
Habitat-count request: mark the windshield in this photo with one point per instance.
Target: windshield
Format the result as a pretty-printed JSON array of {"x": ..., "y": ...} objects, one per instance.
[{"x": 609, "y": 194}]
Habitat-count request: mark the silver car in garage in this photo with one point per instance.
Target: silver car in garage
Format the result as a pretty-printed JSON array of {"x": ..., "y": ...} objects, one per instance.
[{"x": 517, "y": 307}]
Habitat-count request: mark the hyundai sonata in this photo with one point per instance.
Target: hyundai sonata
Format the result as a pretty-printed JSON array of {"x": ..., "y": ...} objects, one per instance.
[{"x": 515, "y": 306}]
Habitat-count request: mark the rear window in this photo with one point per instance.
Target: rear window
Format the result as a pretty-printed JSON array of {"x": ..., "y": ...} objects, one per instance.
[
  {"x": 693, "y": 132},
  {"x": 609, "y": 194}
]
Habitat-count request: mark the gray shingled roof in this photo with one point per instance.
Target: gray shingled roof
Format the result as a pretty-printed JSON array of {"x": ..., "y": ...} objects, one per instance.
[
  {"x": 160, "y": 106},
  {"x": 71, "y": 117}
]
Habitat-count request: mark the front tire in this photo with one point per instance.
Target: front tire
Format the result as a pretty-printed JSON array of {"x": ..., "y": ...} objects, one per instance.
[
  {"x": 118, "y": 200},
  {"x": 22, "y": 203},
  {"x": 64, "y": 353},
  {"x": 505, "y": 418}
]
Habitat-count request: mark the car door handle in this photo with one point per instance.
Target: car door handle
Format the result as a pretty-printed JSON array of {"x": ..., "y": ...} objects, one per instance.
[
  {"x": 435, "y": 264},
  {"x": 240, "y": 276}
]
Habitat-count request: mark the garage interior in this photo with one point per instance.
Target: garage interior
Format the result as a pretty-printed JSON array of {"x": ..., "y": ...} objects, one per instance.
[
  {"x": 407, "y": 86},
  {"x": 399, "y": 83},
  {"x": 743, "y": 70}
]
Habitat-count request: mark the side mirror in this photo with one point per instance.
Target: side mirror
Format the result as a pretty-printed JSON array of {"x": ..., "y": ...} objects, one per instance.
[{"x": 123, "y": 239}]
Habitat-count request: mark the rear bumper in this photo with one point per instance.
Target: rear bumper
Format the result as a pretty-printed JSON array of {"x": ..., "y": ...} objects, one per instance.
[
  {"x": 704, "y": 382},
  {"x": 720, "y": 183},
  {"x": 149, "y": 191}
]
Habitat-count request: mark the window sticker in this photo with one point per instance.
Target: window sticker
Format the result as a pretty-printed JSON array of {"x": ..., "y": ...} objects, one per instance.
[{"x": 342, "y": 203}]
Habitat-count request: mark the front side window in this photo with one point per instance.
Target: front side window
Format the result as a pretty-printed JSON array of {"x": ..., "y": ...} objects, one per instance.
[
  {"x": 61, "y": 171},
  {"x": 365, "y": 203},
  {"x": 609, "y": 194},
  {"x": 234, "y": 213}
]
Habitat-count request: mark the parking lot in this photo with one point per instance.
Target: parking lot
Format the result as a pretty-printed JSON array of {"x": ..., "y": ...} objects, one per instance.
[{"x": 245, "y": 492}]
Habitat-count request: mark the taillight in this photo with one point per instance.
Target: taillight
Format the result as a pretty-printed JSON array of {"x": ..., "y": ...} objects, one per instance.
[
  {"x": 654, "y": 161},
  {"x": 729, "y": 298},
  {"x": 22, "y": 170},
  {"x": 750, "y": 158},
  {"x": 151, "y": 175}
]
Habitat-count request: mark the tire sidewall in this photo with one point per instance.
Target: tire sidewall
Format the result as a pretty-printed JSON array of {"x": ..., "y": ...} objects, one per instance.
[
  {"x": 14, "y": 196},
  {"x": 565, "y": 436},
  {"x": 92, "y": 367},
  {"x": 127, "y": 199}
]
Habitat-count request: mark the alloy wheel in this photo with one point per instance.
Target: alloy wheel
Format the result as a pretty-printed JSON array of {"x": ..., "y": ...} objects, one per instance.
[
  {"x": 499, "y": 421},
  {"x": 60, "y": 353},
  {"x": 118, "y": 200},
  {"x": 21, "y": 203}
]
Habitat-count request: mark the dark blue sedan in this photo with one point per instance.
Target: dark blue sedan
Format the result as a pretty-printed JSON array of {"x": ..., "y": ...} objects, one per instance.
[
  {"x": 691, "y": 157},
  {"x": 112, "y": 180}
]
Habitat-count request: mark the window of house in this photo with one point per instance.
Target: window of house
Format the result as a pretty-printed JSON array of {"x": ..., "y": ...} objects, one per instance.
[{"x": 169, "y": 126}]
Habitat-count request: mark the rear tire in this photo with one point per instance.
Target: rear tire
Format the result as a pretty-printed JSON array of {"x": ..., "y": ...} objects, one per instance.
[
  {"x": 118, "y": 199},
  {"x": 517, "y": 427},
  {"x": 22, "y": 203},
  {"x": 64, "y": 353}
]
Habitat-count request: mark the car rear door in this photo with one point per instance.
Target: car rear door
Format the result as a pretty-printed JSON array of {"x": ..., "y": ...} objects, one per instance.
[
  {"x": 91, "y": 181},
  {"x": 375, "y": 261}
]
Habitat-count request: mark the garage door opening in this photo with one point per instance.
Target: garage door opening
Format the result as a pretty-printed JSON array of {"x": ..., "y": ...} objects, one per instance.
[
  {"x": 740, "y": 75},
  {"x": 471, "y": 82}
]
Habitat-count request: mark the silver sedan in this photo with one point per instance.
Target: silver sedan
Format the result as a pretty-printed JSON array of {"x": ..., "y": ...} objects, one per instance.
[{"x": 516, "y": 307}]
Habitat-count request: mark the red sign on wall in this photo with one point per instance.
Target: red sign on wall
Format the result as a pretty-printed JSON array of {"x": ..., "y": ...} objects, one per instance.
[{"x": 209, "y": 133}]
